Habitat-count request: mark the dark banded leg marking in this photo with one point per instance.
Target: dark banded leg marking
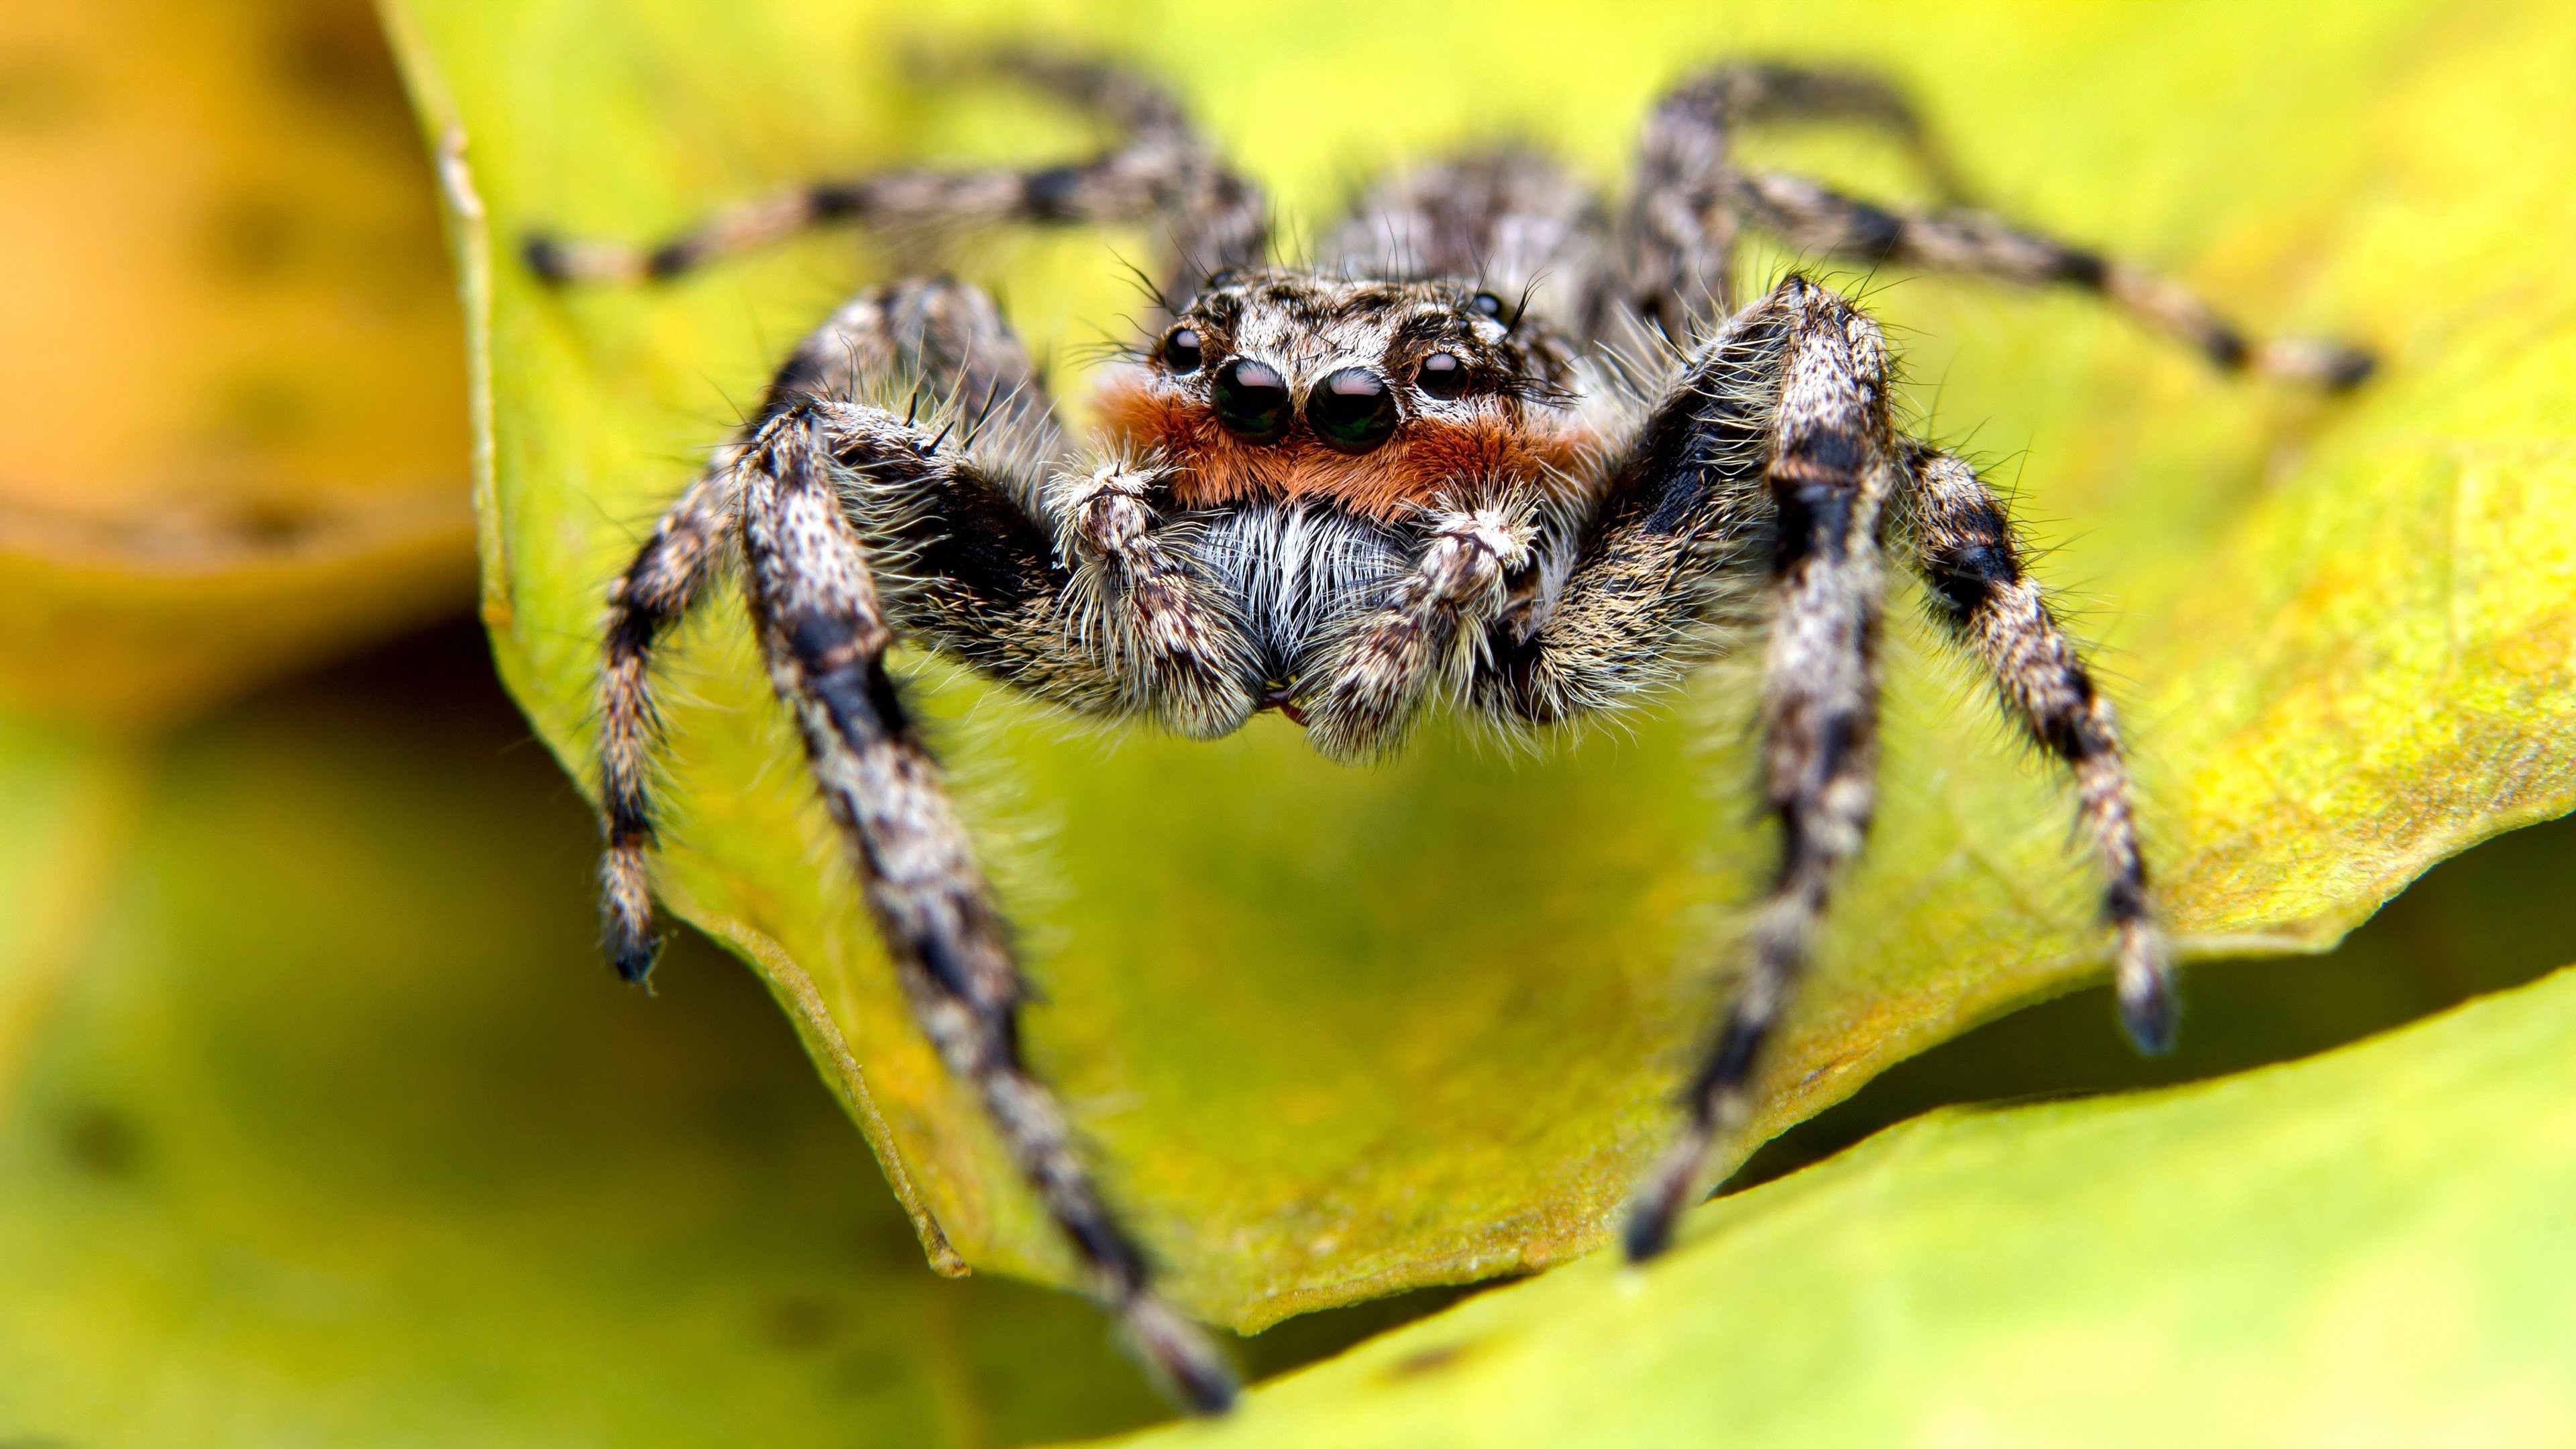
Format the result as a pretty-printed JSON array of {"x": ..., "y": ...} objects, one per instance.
[
  {"x": 1828, "y": 477},
  {"x": 824, "y": 634},
  {"x": 1979, "y": 593}
]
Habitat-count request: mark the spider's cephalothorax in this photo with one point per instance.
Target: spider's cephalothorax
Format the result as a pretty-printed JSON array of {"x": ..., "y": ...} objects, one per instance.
[{"x": 1501, "y": 446}]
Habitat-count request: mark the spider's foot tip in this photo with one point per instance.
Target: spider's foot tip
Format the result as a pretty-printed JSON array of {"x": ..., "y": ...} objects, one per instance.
[
  {"x": 1647, "y": 1234},
  {"x": 1192, "y": 1370},
  {"x": 633, "y": 959},
  {"x": 2152, "y": 1018},
  {"x": 547, "y": 258},
  {"x": 2349, "y": 368}
]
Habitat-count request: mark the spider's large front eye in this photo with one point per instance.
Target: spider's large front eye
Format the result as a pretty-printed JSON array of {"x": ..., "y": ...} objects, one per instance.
[
  {"x": 1442, "y": 375},
  {"x": 1353, "y": 409},
  {"x": 1181, "y": 351},
  {"x": 1252, "y": 400}
]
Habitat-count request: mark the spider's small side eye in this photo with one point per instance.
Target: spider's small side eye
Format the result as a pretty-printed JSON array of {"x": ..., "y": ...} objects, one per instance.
[
  {"x": 1486, "y": 304},
  {"x": 1442, "y": 375},
  {"x": 1252, "y": 401},
  {"x": 1181, "y": 351}
]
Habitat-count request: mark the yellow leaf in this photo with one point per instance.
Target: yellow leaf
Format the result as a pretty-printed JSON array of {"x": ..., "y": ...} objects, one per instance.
[{"x": 2368, "y": 1248}]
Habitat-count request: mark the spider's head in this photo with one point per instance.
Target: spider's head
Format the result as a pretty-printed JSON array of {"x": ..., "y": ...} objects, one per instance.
[{"x": 1375, "y": 395}]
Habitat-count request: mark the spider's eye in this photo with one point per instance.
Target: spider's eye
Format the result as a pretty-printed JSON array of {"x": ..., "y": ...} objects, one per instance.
[
  {"x": 1253, "y": 401},
  {"x": 1181, "y": 350},
  {"x": 1442, "y": 375},
  {"x": 1353, "y": 409},
  {"x": 1486, "y": 304}
]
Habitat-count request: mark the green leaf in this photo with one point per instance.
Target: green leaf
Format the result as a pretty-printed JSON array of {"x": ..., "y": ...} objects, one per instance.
[
  {"x": 1337, "y": 1032},
  {"x": 340, "y": 1136},
  {"x": 2369, "y": 1247}
]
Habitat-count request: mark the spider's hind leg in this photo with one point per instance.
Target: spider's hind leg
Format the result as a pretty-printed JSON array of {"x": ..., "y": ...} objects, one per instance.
[
  {"x": 1692, "y": 198},
  {"x": 1963, "y": 544},
  {"x": 1815, "y": 218},
  {"x": 1160, "y": 169}
]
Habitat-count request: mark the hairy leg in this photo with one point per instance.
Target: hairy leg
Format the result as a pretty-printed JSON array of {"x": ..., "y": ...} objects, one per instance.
[
  {"x": 825, "y": 634},
  {"x": 1828, "y": 476},
  {"x": 668, "y": 576},
  {"x": 1161, "y": 170},
  {"x": 1817, "y": 219},
  {"x": 1676, "y": 242},
  {"x": 1426, "y": 637},
  {"x": 1667, "y": 572},
  {"x": 1963, "y": 543}
]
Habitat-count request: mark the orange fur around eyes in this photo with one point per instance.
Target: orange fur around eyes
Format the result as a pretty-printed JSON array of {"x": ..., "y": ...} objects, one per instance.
[{"x": 1426, "y": 458}]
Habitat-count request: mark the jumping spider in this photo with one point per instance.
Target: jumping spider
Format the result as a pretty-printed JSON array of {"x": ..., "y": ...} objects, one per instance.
[{"x": 1498, "y": 445}]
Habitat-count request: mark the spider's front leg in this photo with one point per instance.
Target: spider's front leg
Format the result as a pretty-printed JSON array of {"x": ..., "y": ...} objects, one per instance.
[
  {"x": 1828, "y": 476},
  {"x": 824, "y": 633}
]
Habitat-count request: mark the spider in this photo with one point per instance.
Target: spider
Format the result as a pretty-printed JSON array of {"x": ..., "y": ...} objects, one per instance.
[{"x": 1502, "y": 446}]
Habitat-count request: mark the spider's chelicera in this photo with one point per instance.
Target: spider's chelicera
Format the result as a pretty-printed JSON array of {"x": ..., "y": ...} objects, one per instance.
[{"x": 1499, "y": 446}]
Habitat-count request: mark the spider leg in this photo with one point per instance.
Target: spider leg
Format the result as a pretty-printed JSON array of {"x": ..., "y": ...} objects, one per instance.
[
  {"x": 1677, "y": 237},
  {"x": 1815, "y": 218},
  {"x": 1428, "y": 634},
  {"x": 1161, "y": 169},
  {"x": 825, "y": 633},
  {"x": 1963, "y": 544},
  {"x": 668, "y": 576},
  {"x": 1828, "y": 475},
  {"x": 1667, "y": 573}
]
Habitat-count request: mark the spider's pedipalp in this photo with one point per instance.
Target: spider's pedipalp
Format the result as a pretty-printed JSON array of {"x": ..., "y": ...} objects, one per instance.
[
  {"x": 1963, "y": 543},
  {"x": 1168, "y": 640},
  {"x": 825, "y": 635},
  {"x": 1427, "y": 637}
]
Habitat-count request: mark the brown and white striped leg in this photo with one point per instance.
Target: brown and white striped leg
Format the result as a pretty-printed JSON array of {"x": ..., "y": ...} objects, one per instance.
[
  {"x": 1428, "y": 634},
  {"x": 825, "y": 636},
  {"x": 1964, "y": 545},
  {"x": 1815, "y": 218},
  {"x": 1829, "y": 475},
  {"x": 1140, "y": 613},
  {"x": 1162, "y": 170},
  {"x": 669, "y": 574}
]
